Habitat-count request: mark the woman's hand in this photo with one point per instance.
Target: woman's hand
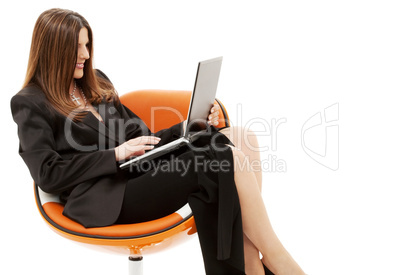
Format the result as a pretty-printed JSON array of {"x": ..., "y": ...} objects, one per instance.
[
  {"x": 213, "y": 118},
  {"x": 135, "y": 147}
]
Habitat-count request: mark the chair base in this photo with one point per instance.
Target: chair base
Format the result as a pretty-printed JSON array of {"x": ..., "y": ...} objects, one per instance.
[{"x": 135, "y": 265}]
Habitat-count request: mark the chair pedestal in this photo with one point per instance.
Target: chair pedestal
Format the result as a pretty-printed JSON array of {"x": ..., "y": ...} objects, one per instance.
[{"x": 135, "y": 265}]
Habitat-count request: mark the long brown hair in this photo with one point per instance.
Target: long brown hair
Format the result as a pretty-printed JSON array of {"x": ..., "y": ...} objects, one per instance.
[{"x": 53, "y": 57}]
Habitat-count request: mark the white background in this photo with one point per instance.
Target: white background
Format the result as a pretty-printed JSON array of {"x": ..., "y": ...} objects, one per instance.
[{"x": 282, "y": 59}]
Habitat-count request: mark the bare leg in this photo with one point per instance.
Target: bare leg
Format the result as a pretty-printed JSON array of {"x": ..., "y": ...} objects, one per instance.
[
  {"x": 247, "y": 142},
  {"x": 256, "y": 224},
  {"x": 260, "y": 236}
]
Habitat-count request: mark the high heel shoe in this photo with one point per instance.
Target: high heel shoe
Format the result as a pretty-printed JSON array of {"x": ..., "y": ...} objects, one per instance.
[{"x": 266, "y": 270}]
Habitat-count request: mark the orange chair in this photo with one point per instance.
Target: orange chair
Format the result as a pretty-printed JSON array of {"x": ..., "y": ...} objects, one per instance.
[{"x": 159, "y": 109}]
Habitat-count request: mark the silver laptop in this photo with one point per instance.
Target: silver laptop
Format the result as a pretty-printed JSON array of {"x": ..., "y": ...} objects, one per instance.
[{"x": 202, "y": 99}]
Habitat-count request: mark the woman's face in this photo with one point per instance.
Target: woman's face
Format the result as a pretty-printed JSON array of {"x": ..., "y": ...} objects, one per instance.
[{"x": 83, "y": 53}]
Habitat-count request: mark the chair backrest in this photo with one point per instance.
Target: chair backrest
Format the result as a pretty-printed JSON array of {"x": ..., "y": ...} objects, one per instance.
[{"x": 160, "y": 109}]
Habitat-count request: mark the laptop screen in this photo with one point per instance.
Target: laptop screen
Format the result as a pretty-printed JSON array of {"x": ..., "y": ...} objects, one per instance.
[{"x": 203, "y": 96}]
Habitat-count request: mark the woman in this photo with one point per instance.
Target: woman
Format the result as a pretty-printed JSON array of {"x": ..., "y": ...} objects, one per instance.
[{"x": 74, "y": 131}]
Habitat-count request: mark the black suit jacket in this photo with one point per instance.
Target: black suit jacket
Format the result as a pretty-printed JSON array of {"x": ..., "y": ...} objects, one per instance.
[{"x": 77, "y": 159}]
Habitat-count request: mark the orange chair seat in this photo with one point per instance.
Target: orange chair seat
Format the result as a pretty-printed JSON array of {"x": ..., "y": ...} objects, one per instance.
[
  {"x": 159, "y": 109},
  {"x": 54, "y": 211}
]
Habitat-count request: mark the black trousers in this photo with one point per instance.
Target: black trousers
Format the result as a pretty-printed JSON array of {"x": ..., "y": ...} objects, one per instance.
[
  {"x": 203, "y": 178},
  {"x": 160, "y": 187}
]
